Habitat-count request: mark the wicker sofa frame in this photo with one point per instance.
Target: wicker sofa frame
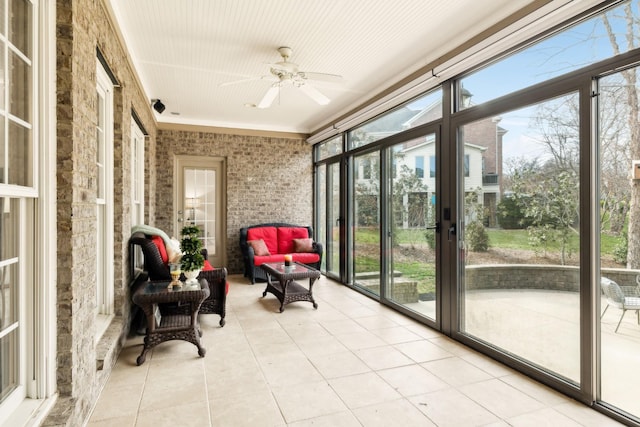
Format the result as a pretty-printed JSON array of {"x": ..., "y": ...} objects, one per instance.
[
  {"x": 155, "y": 269},
  {"x": 254, "y": 272}
]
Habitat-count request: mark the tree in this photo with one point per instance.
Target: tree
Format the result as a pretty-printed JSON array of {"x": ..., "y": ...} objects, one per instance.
[
  {"x": 630, "y": 90},
  {"x": 550, "y": 201}
]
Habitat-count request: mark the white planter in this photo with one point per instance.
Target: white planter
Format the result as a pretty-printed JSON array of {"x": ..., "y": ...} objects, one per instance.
[{"x": 191, "y": 276}]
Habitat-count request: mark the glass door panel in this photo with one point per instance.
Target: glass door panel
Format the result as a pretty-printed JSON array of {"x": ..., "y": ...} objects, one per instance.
[
  {"x": 365, "y": 262},
  {"x": 412, "y": 208},
  {"x": 619, "y": 223},
  {"x": 333, "y": 220},
  {"x": 519, "y": 237}
]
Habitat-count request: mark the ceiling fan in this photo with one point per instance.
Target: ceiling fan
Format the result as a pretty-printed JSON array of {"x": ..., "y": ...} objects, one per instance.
[{"x": 287, "y": 73}]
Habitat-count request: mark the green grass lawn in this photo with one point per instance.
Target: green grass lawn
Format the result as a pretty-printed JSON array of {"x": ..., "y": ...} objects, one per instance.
[{"x": 424, "y": 273}]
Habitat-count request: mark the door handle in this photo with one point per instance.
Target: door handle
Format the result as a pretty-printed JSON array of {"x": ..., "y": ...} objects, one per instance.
[
  {"x": 436, "y": 227},
  {"x": 451, "y": 231}
]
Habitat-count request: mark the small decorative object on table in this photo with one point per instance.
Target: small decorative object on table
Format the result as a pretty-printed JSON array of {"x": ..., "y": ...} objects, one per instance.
[
  {"x": 192, "y": 259},
  {"x": 174, "y": 270},
  {"x": 287, "y": 262}
]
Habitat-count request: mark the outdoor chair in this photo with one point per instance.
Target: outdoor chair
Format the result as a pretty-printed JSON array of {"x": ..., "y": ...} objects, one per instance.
[{"x": 622, "y": 297}]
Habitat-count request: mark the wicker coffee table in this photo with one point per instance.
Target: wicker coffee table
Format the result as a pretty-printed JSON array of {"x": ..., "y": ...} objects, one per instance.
[
  {"x": 285, "y": 287},
  {"x": 166, "y": 325}
]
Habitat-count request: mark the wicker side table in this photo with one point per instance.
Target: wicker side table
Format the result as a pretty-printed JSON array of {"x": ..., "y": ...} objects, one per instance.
[
  {"x": 165, "y": 327},
  {"x": 286, "y": 289}
]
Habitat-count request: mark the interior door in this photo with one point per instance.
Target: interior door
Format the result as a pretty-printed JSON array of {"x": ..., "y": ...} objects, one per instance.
[{"x": 200, "y": 200}]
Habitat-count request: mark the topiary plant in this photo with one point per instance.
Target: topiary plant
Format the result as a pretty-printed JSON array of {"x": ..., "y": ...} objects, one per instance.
[{"x": 191, "y": 247}]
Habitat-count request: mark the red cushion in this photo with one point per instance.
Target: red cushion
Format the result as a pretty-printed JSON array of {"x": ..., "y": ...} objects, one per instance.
[
  {"x": 258, "y": 260},
  {"x": 286, "y": 236},
  {"x": 268, "y": 234},
  {"x": 207, "y": 266},
  {"x": 306, "y": 257},
  {"x": 161, "y": 248}
]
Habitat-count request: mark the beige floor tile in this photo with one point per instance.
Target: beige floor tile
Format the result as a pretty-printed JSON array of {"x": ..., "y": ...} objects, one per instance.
[
  {"x": 340, "y": 419},
  {"x": 303, "y": 330},
  {"x": 320, "y": 346},
  {"x": 240, "y": 378},
  {"x": 396, "y": 335},
  {"x": 363, "y": 390},
  {"x": 501, "y": 398},
  {"x": 339, "y": 364},
  {"x": 422, "y": 351},
  {"x": 371, "y": 323},
  {"x": 396, "y": 413},
  {"x": 450, "y": 408},
  {"x": 360, "y": 340},
  {"x": 188, "y": 415},
  {"x": 543, "y": 417},
  {"x": 492, "y": 367},
  {"x": 412, "y": 380},
  {"x": 247, "y": 410},
  {"x": 124, "y": 421},
  {"x": 289, "y": 369},
  {"x": 538, "y": 391},
  {"x": 164, "y": 394},
  {"x": 112, "y": 404},
  {"x": 455, "y": 371},
  {"x": 585, "y": 415},
  {"x": 307, "y": 400},
  {"x": 385, "y": 357},
  {"x": 348, "y": 326}
]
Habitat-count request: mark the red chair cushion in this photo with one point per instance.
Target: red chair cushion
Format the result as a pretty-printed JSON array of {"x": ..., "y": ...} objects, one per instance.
[{"x": 161, "y": 248}]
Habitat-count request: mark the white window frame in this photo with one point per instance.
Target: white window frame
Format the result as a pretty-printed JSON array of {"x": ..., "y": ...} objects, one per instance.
[
  {"x": 137, "y": 174},
  {"x": 104, "y": 208},
  {"x": 37, "y": 206}
]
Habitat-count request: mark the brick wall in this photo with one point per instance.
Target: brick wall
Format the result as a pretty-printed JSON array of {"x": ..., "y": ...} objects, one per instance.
[
  {"x": 269, "y": 179},
  {"x": 82, "y": 27}
]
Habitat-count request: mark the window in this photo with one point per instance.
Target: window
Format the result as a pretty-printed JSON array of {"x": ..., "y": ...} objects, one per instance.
[
  {"x": 104, "y": 200},
  {"x": 424, "y": 109},
  {"x": 466, "y": 165},
  {"x": 419, "y": 166},
  {"x": 432, "y": 166}
]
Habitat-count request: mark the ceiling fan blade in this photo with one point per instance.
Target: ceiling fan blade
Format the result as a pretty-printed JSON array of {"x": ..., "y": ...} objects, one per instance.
[
  {"x": 326, "y": 77},
  {"x": 314, "y": 94},
  {"x": 268, "y": 97},
  {"x": 251, "y": 79}
]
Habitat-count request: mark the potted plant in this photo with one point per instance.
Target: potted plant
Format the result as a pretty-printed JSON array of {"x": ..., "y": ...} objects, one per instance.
[{"x": 192, "y": 259}]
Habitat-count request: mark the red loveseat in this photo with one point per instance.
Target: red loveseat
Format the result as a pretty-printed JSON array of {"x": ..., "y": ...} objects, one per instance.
[{"x": 271, "y": 242}]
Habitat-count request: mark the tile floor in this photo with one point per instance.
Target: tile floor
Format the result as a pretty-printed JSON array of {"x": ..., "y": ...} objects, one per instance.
[{"x": 352, "y": 362}]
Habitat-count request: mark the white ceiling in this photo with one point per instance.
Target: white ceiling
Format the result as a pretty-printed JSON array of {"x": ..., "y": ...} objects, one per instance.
[{"x": 183, "y": 50}]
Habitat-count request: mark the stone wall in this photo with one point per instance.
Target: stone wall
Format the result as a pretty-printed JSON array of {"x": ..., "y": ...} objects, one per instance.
[
  {"x": 269, "y": 179},
  {"x": 82, "y": 28},
  {"x": 549, "y": 277}
]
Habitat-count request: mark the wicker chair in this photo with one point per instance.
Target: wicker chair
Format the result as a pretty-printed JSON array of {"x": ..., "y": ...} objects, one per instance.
[
  {"x": 622, "y": 297},
  {"x": 155, "y": 269}
]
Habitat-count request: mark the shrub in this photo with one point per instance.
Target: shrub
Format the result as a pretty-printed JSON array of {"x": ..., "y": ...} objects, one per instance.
[
  {"x": 620, "y": 250},
  {"x": 476, "y": 237}
]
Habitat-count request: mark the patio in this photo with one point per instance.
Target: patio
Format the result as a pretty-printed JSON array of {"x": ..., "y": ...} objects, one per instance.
[{"x": 351, "y": 362}]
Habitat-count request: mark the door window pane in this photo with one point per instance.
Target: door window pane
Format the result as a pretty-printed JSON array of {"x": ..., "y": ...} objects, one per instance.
[
  {"x": 366, "y": 227},
  {"x": 19, "y": 20},
  {"x": 619, "y": 223},
  {"x": 19, "y": 87},
  {"x": 412, "y": 263},
  {"x": 521, "y": 277}
]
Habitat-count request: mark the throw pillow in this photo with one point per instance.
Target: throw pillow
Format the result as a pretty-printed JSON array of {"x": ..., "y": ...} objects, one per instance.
[
  {"x": 259, "y": 247},
  {"x": 303, "y": 245}
]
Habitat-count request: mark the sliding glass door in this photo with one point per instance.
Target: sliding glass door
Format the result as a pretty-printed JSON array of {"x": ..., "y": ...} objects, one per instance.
[{"x": 413, "y": 225}]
